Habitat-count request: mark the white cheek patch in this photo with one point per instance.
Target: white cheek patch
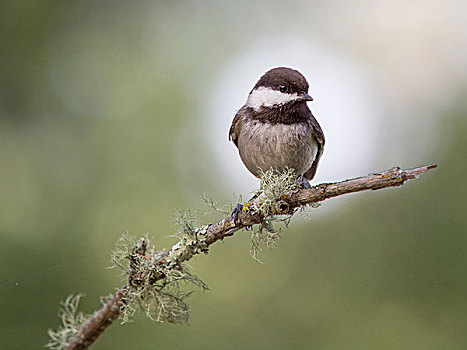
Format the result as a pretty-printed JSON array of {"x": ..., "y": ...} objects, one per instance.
[{"x": 266, "y": 97}]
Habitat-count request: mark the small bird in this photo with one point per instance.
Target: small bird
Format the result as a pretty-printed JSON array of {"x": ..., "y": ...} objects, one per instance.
[{"x": 275, "y": 129}]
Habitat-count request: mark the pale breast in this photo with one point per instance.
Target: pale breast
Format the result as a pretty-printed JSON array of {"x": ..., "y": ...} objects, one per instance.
[{"x": 265, "y": 145}]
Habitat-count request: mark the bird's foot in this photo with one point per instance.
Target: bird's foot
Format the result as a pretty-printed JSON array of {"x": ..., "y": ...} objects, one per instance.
[
  {"x": 243, "y": 207},
  {"x": 303, "y": 182},
  {"x": 236, "y": 213}
]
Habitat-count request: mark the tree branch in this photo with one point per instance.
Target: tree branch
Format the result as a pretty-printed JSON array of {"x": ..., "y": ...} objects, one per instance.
[
  {"x": 99, "y": 322},
  {"x": 286, "y": 205}
]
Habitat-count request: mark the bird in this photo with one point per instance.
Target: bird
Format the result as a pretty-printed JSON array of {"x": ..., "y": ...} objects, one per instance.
[{"x": 275, "y": 129}]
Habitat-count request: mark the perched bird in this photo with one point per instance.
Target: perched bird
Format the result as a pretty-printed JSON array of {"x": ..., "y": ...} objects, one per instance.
[{"x": 276, "y": 129}]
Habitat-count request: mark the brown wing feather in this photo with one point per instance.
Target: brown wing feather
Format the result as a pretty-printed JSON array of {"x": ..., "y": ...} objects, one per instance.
[
  {"x": 234, "y": 131},
  {"x": 318, "y": 135}
]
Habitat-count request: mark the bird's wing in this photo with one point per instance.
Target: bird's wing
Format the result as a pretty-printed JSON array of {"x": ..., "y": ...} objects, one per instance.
[
  {"x": 318, "y": 135},
  {"x": 234, "y": 131}
]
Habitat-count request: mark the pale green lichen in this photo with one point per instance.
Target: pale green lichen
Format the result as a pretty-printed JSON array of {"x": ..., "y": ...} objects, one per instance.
[
  {"x": 124, "y": 248},
  {"x": 192, "y": 239},
  {"x": 158, "y": 286},
  {"x": 163, "y": 300},
  {"x": 71, "y": 322},
  {"x": 265, "y": 233},
  {"x": 274, "y": 188},
  {"x": 214, "y": 206}
]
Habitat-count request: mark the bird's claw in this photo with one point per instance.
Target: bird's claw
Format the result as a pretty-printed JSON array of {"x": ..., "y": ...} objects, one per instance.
[
  {"x": 304, "y": 182},
  {"x": 236, "y": 213}
]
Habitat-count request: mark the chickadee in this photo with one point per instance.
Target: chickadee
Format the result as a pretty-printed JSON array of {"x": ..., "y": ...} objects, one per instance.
[{"x": 275, "y": 128}]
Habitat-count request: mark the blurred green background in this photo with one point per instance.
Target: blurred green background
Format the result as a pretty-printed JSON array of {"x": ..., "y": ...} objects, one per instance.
[{"x": 104, "y": 128}]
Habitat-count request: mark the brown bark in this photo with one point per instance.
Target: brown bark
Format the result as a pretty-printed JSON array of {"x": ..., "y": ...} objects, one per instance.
[{"x": 99, "y": 322}]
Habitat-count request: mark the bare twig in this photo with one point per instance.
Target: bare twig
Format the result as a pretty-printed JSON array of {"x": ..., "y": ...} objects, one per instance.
[{"x": 287, "y": 204}]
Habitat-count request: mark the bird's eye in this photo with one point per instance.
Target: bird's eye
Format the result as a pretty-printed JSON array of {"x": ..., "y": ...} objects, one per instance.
[{"x": 283, "y": 88}]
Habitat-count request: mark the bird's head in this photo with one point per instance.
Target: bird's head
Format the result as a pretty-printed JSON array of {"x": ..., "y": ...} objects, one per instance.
[{"x": 278, "y": 87}]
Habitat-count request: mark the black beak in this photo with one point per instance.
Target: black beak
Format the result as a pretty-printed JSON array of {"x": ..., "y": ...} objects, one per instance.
[{"x": 306, "y": 97}]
